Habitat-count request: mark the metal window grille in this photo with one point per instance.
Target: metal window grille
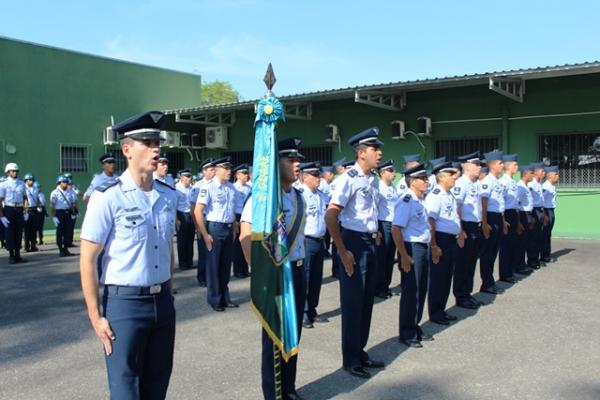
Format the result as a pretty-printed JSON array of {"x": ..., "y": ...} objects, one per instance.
[
  {"x": 75, "y": 157},
  {"x": 453, "y": 148},
  {"x": 577, "y": 155},
  {"x": 314, "y": 153}
]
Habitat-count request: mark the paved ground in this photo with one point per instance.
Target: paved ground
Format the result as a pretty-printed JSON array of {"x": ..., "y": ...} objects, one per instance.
[{"x": 540, "y": 340}]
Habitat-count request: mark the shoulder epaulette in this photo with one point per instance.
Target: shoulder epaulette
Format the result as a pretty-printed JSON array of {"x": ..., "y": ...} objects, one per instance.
[
  {"x": 436, "y": 191},
  {"x": 298, "y": 189},
  {"x": 352, "y": 173},
  {"x": 164, "y": 183},
  {"x": 107, "y": 184},
  {"x": 406, "y": 198}
]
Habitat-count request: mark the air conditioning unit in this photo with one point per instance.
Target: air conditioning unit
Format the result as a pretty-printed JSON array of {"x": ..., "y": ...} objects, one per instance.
[
  {"x": 332, "y": 134},
  {"x": 216, "y": 137},
  {"x": 170, "y": 139},
  {"x": 185, "y": 140},
  {"x": 398, "y": 130},
  {"x": 109, "y": 137},
  {"x": 424, "y": 126},
  {"x": 197, "y": 142}
]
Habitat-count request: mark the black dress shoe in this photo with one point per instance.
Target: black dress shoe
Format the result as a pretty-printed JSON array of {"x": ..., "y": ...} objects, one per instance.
[
  {"x": 424, "y": 337},
  {"x": 524, "y": 271},
  {"x": 246, "y": 274},
  {"x": 414, "y": 343},
  {"x": 202, "y": 283},
  {"x": 12, "y": 260},
  {"x": 230, "y": 305},
  {"x": 491, "y": 290},
  {"x": 543, "y": 263},
  {"x": 307, "y": 324},
  {"x": 292, "y": 396},
  {"x": 467, "y": 304},
  {"x": 510, "y": 279},
  {"x": 372, "y": 363},
  {"x": 476, "y": 302},
  {"x": 358, "y": 371},
  {"x": 239, "y": 275},
  {"x": 440, "y": 321},
  {"x": 218, "y": 308},
  {"x": 34, "y": 249},
  {"x": 320, "y": 319},
  {"x": 381, "y": 295},
  {"x": 534, "y": 266},
  {"x": 450, "y": 317}
]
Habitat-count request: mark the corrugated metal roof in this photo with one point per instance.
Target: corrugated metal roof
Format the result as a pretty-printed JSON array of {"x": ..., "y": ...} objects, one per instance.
[{"x": 414, "y": 85}]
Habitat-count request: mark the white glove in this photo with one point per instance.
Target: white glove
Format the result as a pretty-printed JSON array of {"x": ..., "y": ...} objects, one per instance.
[
  {"x": 26, "y": 216},
  {"x": 56, "y": 221},
  {"x": 73, "y": 216},
  {"x": 5, "y": 221}
]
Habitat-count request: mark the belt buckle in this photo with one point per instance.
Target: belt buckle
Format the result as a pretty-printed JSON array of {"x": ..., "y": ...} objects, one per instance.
[
  {"x": 374, "y": 235},
  {"x": 299, "y": 263},
  {"x": 155, "y": 289},
  {"x": 229, "y": 225}
]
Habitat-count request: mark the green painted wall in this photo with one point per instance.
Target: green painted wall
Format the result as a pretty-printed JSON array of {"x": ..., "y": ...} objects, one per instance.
[
  {"x": 545, "y": 96},
  {"x": 50, "y": 96}
]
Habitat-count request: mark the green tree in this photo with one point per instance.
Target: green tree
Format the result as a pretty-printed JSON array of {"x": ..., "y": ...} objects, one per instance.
[{"x": 219, "y": 92}]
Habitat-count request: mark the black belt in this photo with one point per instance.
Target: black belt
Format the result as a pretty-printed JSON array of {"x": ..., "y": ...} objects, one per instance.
[
  {"x": 366, "y": 235},
  {"x": 313, "y": 238},
  {"x": 446, "y": 235},
  {"x": 228, "y": 225},
  {"x": 13, "y": 206},
  {"x": 138, "y": 290},
  {"x": 471, "y": 223}
]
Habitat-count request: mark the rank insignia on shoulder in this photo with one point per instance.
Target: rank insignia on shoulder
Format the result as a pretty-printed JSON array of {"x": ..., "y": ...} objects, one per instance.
[
  {"x": 406, "y": 198},
  {"x": 107, "y": 184},
  {"x": 299, "y": 189},
  {"x": 352, "y": 173},
  {"x": 436, "y": 191},
  {"x": 484, "y": 186},
  {"x": 164, "y": 184}
]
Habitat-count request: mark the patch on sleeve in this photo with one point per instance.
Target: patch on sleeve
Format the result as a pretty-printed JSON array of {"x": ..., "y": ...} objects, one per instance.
[
  {"x": 203, "y": 192},
  {"x": 352, "y": 173},
  {"x": 456, "y": 190},
  {"x": 436, "y": 191},
  {"x": 484, "y": 186}
]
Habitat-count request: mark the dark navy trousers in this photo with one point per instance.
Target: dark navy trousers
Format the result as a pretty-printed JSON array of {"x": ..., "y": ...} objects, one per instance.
[
  {"x": 70, "y": 229},
  {"x": 414, "y": 290},
  {"x": 218, "y": 263},
  {"x": 509, "y": 246},
  {"x": 185, "y": 240},
  {"x": 14, "y": 232},
  {"x": 523, "y": 240},
  {"x": 31, "y": 227},
  {"x": 313, "y": 267},
  {"x": 144, "y": 326},
  {"x": 490, "y": 249},
  {"x": 336, "y": 262},
  {"x": 201, "y": 271},
  {"x": 535, "y": 239},
  {"x": 440, "y": 275},
  {"x": 464, "y": 270},
  {"x": 240, "y": 266},
  {"x": 386, "y": 252},
  {"x": 546, "y": 248},
  {"x": 62, "y": 230},
  {"x": 289, "y": 368},
  {"x": 357, "y": 293}
]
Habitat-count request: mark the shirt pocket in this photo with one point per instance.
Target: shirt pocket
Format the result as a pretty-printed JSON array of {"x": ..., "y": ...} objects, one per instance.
[
  {"x": 166, "y": 222},
  {"x": 131, "y": 226}
]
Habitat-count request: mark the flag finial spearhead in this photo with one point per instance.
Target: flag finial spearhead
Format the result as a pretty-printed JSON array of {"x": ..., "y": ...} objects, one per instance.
[{"x": 269, "y": 79}]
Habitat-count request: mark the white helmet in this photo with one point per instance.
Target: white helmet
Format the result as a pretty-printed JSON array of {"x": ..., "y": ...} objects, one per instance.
[{"x": 11, "y": 166}]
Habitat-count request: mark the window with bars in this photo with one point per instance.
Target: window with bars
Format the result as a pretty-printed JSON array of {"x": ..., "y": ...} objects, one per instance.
[
  {"x": 577, "y": 155},
  {"x": 453, "y": 148},
  {"x": 314, "y": 153},
  {"x": 75, "y": 157}
]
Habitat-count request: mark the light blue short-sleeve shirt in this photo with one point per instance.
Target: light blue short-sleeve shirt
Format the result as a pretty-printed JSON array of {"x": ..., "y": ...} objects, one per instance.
[
  {"x": 242, "y": 192},
  {"x": 442, "y": 208},
  {"x": 388, "y": 197},
  {"x": 136, "y": 230},
  {"x": 33, "y": 198},
  {"x": 510, "y": 193},
  {"x": 60, "y": 199},
  {"x": 315, "y": 204},
  {"x": 492, "y": 189},
  {"x": 536, "y": 192},
  {"x": 549, "y": 193},
  {"x": 467, "y": 196},
  {"x": 411, "y": 216},
  {"x": 13, "y": 191},
  {"x": 358, "y": 194},
  {"x": 183, "y": 197},
  {"x": 97, "y": 181},
  {"x": 219, "y": 199},
  {"x": 524, "y": 197}
]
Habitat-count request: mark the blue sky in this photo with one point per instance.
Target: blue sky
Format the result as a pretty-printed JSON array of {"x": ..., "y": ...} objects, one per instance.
[{"x": 315, "y": 45}]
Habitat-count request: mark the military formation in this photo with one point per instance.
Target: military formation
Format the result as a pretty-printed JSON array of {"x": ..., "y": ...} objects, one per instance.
[{"x": 435, "y": 224}]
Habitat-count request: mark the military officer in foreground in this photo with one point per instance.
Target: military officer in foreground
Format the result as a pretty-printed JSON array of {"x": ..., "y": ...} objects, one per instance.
[
  {"x": 446, "y": 239},
  {"x": 314, "y": 231},
  {"x": 133, "y": 219},
  {"x": 493, "y": 225},
  {"x": 217, "y": 229},
  {"x": 411, "y": 233},
  {"x": 354, "y": 201},
  {"x": 13, "y": 196},
  {"x": 549, "y": 194},
  {"x": 466, "y": 192},
  {"x": 293, "y": 208}
]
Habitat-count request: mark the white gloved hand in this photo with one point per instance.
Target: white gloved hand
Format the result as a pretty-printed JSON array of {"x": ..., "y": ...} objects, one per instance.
[
  {"x": 73, "y": 216},
  {"x": 56, "y": 221},
  {"x": 5, "y": 221},
  {"x": 25, "y": 217}
]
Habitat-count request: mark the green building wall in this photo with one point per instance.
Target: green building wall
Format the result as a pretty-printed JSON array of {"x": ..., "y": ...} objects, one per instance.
[
  {"x": 517, "y": 125},
  {"x": 50, "y": 96}
]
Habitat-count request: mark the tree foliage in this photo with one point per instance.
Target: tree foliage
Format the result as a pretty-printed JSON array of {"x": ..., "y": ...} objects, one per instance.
[{"x": 219, "y": 92}]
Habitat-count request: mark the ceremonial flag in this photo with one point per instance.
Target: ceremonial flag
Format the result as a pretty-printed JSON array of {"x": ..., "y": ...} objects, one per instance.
[{"x": 271, "y": 286}]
